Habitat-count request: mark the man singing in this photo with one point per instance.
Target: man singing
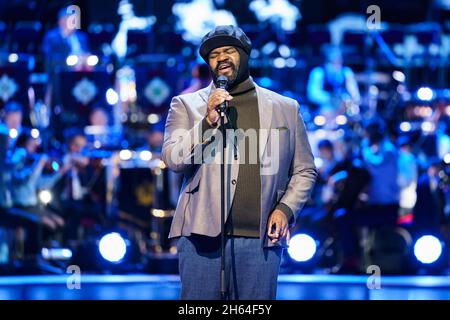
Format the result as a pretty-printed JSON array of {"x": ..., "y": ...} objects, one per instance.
[{"x": 268, "y": 175}]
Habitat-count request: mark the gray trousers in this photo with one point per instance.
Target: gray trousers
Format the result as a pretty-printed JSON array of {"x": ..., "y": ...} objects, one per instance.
[{"x": 251, "y": 272}]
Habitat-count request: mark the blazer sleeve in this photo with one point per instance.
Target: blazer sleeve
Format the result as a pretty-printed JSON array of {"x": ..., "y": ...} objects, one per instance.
[
  {"x": 183, "y": 145},
  {"x": 302, "y": 172}
]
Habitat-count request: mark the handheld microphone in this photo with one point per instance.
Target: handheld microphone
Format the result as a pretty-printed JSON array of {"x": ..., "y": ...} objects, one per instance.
[{"x": 222, "y": 83}]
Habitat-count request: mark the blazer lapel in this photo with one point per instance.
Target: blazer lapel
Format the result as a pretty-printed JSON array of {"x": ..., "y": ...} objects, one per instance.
[
  {"x": 205, "y": 92},
  {"x": 265, "y": 108}
]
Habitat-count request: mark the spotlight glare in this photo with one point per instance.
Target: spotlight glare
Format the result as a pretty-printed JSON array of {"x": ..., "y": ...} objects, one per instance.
[
  {"x": 153, "y": 118},
  {"x": 55, "y": 166},
  {"x": 320, "y": 120},
  {"x": 125, "y": 155},
  {"x": 425, "y": 94},
  {"x": 112, "y": 247},
  {"x": 145, "y": 155},
  {"x": 291, "y": 62},
  {"x": 427, "y": 127},
  {"x": 284, "y": 51},
  {"x": 97, "y": 144},
  {"x": 92, "y": 60},
  {"x": 341, "y": 120},
  {"x": 112, "y": 97},
  {"x": 56, "y": 253},
  {"x": 72, "y": 60},
  {"x": 13, "y": 133},
  {"x": 279, "y": 63},
  {"x": 398, "y": 76},
  {"x": 35, "y": 133},
  {"x": 45, "y": 196},
  {"x": 302, "y": 247},
  {"x": 318, "y": 162},
  {"x": 447, "y": 158},
  {"x": 13, "y": 58},
  {"x": 427, "y": 249},
  {"x": 405, "y": 126}
]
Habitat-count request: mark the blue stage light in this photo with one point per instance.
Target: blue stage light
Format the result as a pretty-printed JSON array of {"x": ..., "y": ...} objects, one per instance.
[
  {"x": 427, "y": 249},
  {"x": 112, "y": 247},
  {"x": 55, "y": 166},
  {"x": 302, "y": 247}
]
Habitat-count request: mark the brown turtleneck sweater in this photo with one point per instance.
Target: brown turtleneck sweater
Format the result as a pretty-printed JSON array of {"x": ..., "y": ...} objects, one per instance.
[{"x": 245, "y": 214}]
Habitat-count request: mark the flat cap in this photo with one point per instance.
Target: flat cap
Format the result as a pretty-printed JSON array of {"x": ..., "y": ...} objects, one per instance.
[{"x": 222, "y": 36}]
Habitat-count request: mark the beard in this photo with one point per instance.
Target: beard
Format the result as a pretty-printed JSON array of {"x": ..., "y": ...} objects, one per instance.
[{"x": 233, "y": 75}]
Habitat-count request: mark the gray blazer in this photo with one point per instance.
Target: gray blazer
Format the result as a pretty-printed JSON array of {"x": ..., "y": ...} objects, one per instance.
[{"x": 288, "y": 178}]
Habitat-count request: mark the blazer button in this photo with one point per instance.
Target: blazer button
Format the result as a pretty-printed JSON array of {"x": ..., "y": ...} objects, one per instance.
[{"x": 233, "y": 181}]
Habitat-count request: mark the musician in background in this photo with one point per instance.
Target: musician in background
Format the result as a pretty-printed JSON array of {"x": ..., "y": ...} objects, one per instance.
[
  {"x": 332, "y": 86},
  {"x": 381, "y": 158},
  {"x": 13, "y": 115},
  {"x": 62, "y": 41},
  {"x": 154, "y": 139},
  {"x": 59, "y": 43},
  {"x": 82, "y": 196},
  {"x": 99, "y": 117},
  {"x": 430, "y": 206},
  {"x": 27, "y": 179}
]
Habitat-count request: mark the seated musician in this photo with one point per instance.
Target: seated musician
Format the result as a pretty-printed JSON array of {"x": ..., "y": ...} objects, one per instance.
[
  {"x": 83, "y": 192},
  {"x": 27, "y": 179},
  {"x": 332, "y": 86}
]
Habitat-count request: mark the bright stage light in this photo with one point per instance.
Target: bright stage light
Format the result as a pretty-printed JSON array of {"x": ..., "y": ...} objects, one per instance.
[
  {"x": 320, "y": 120},
  {"x": 92, "y": 60},
  {"x": 279, "y": 63},
  {"x": 425, "y": 94},
  {"x": 72, "y": 60},
  {"x": 427, "y": 127},
  {"x": 318, "y": 162},
  {"x": 125, "y": 155},
  {"x": 145, "y": 155},
  {"x": 291, "y": 62},
  {"x": 45, "y": 197},
  {"x": 284, "y": 51},
  {"x": 13, "y": 133},
  {"x": 447, "y": 158},
  {"x": 341, "y": 120},
  {"x": 427, "y": 249},
  {"x": 112, "y": 247},
  {"x": 13, "y": 58},
  {"x": 35, "y": 133},
  {"x": 302, "y": 247},
  {"x": 398, "y": 76},
  {"x": 153, "y": 118},
  {"x": 112, "y": 97},
  {"x": 56, "y": 253},
  {"x": 405, "y": 126}
]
